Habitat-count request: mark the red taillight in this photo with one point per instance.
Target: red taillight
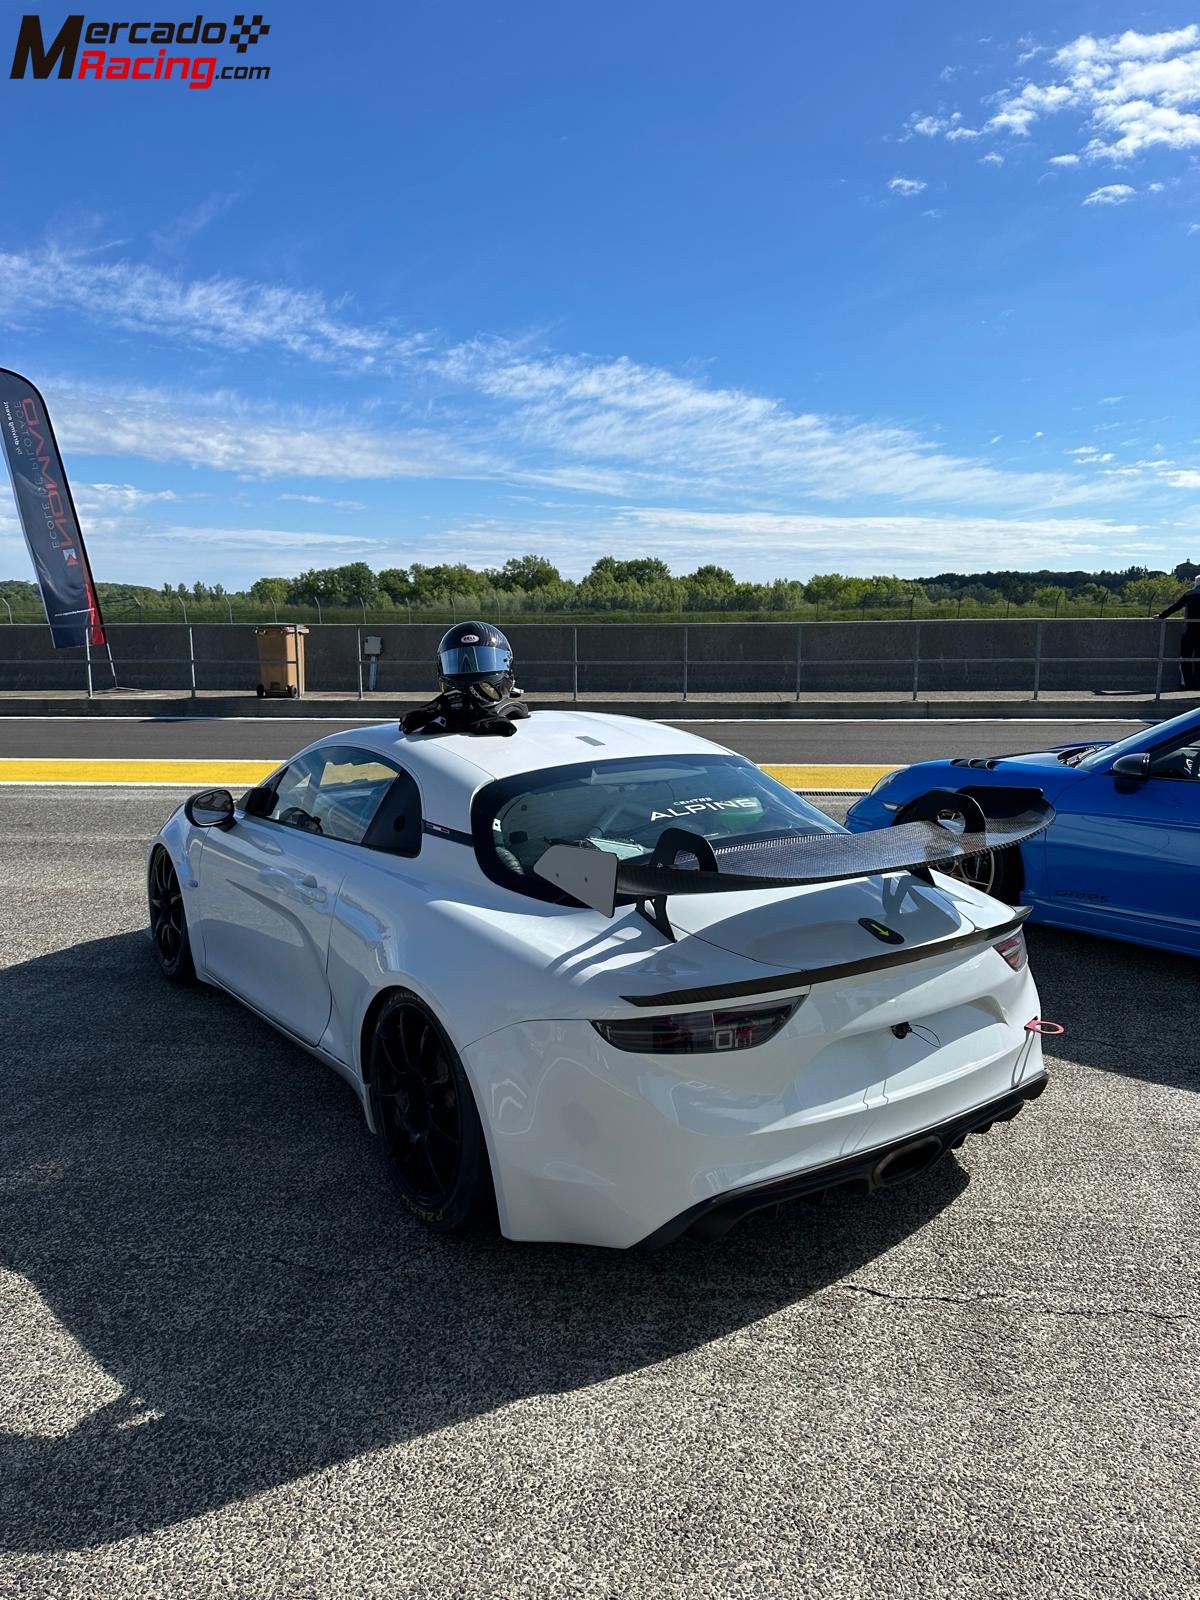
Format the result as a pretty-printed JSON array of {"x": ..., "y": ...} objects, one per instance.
[
  {"x": 1013, "y": 950},
  {"x": 694, "y": 1032}
]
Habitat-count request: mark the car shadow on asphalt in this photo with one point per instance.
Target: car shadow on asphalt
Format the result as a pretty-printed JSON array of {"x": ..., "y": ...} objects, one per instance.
[
  {"x": 201, "y": 1208},
  {"x": 1125, "y": 1008}
]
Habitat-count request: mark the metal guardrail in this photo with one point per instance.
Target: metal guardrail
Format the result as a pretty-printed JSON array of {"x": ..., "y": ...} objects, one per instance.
[{"x": 800, "y": 668}]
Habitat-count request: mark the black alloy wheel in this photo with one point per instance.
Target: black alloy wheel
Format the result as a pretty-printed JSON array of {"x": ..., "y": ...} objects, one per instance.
[
  {"x": 425, "y": 1114},
  {"x": 992, "y": 872},
  {"x": 168, "y": 921}
]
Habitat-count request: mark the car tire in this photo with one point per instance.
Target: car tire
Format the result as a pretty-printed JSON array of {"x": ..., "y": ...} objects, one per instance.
[
  {"x": 993, "y": 872},
  {"x": 168, "y": 920},
  {"x": 427, "y": 1120}
]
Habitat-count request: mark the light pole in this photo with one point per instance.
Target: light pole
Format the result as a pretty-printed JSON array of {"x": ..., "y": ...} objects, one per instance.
[
  {"x": 317, "y": 603},
  {"x": 7, "y": 608},
  {"x": 183, "y": 603}
]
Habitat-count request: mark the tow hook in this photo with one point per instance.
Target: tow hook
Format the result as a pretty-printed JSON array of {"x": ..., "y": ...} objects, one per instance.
[{"x": 1040, "y": 1025}]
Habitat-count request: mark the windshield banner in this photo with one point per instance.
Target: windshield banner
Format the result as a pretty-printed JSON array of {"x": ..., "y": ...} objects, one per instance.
[{"x": 47, "y": 514}]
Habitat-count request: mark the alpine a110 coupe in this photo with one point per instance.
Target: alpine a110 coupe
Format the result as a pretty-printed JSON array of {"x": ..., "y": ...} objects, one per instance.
[
  {"x": 1122, "y": 857},
  {"x": 604, "y": 980}
]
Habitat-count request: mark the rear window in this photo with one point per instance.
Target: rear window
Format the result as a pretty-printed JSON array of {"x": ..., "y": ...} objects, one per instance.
[{"x": 623, "y": 807}]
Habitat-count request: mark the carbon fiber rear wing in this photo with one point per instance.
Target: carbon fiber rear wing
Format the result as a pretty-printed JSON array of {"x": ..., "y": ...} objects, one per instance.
[{"x": 685, "y": 863}]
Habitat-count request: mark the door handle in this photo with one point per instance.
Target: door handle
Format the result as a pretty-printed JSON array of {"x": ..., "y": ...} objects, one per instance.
[{"x": 303, "y": 884}]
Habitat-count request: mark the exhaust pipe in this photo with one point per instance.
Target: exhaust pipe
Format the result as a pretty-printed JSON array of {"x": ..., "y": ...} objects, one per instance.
[{"x": 906, "y": 1162}]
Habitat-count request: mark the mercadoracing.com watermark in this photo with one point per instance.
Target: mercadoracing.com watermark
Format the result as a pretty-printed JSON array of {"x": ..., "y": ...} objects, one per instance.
[{"x": 71, "y": 53}]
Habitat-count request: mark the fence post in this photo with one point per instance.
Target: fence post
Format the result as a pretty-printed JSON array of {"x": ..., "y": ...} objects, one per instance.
[
  {"x": 192, "y": 660},
  {"x": 1037, "y": 658},
  {"x": 685, "y": 661},
  {"x": 916, "y": 659},
  {"x": 87, "y": 656},
  {"x": 799, "y": 655},
  {"x": 574, "y": 663},
  {"x": 7, "y": 608},
  {"x": 1162, "y": 645},
  {"x": 358, "y": 636}
]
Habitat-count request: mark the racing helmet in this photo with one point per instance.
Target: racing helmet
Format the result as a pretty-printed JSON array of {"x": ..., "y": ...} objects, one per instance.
[{"x": 476, "y": 657}]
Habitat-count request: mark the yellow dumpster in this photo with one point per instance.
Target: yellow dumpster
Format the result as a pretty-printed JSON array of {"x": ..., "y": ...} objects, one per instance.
[{"x": 281, "y": 660}]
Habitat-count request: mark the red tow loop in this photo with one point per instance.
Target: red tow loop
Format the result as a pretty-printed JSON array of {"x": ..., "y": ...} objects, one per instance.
[{"x": 1039, "y": 1025}]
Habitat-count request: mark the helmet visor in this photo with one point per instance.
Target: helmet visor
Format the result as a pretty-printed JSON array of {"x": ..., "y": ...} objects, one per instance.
[{"x": 464, "y": 659}]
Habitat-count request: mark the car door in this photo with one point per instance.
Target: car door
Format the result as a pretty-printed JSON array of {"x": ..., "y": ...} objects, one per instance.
[
  {"x": 269, "y": 884},
  {"x": 1130, "y": 845}
]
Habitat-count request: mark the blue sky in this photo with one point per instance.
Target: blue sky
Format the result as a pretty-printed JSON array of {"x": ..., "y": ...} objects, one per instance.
[{"x": 871, "y": 290}]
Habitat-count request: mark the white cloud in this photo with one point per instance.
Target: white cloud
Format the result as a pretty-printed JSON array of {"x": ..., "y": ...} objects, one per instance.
[
  {"x": 225, "y": 312},
  {"x": 1086, "y": 453},
  {"x": 906, "y": 186},
  {"x": 852, "y": 543},
  {"x": 1193, "y": 227},
  {"x": 324, "y": 500},
  {"x": 1110, "y": 399},
  {"x": 960, "y": 132},
  {"x": 500, "y": 411},
  {"x": 992, "y": 159},
  {"x": 1131, "y": 93},
  {"x": 996, "y": 438},
  {"x": 1064, "y": 161},
  {"x": 927, "y": 126},
  {"x": 659, "y": 426},
  {"x": 113, "y": 497},
  {"x": 1109, "y": 194}
]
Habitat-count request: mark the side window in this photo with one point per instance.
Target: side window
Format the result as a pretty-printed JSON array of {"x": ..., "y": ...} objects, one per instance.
[
  {"x": 1178, "y": 761},
  {"x": 339, "y": 793},
  {"x": 396, "y": 826}
]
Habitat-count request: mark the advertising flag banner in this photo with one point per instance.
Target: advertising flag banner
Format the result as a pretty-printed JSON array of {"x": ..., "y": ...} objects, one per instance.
[{"x": 47, "y": 515}]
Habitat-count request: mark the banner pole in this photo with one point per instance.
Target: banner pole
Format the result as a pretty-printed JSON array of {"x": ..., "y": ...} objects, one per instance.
[{"x": 112, "y": 666}]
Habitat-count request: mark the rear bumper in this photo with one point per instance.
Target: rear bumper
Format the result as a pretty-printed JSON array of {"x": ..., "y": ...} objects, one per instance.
[
  {"x": 862, "y": 1173},
  {"x": 594, "y": 1145}
]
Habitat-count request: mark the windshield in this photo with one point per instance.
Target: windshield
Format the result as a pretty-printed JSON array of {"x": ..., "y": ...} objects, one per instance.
[
  {"x": 623, "y": 807},
  {"x": 1143, "y": 739}
]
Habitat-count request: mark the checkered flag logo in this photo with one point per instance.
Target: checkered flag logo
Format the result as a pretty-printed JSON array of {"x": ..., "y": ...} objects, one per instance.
[{"x": 247, "y": 33}]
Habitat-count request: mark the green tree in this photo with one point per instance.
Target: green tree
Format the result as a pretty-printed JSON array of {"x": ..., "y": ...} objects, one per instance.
[
  {"x": 525, "y": 573},
  {"x": 1151, "y": 594},
  {"x": 710, "y": 577},
  {"x": 396, "y": 584},
  {"x": 267, "y": 589}
]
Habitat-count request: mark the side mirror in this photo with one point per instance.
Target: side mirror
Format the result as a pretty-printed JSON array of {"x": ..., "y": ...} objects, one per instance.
[
  {"x": 1132, "y": 768},
  {"x": 211, "y": 809}
]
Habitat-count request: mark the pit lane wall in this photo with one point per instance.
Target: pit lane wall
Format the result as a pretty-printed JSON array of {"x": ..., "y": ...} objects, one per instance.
[{"x": 697, "y": 659}]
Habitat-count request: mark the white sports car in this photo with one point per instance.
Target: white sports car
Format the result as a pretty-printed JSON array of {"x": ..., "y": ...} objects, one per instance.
[{"x": 603, "y": 978}]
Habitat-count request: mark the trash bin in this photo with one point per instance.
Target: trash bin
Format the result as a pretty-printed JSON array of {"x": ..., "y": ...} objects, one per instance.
[{"x": 281, "y": 660}]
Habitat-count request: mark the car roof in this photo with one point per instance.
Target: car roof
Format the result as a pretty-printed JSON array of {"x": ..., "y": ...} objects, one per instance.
[{"x": 451, "y": 767}]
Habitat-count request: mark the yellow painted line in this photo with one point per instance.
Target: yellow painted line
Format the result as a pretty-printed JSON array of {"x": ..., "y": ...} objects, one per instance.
[
  {"x": 821, "y": 776},
  {"x": 814, "y": 775},
  {"x": 201, "y": 773}
]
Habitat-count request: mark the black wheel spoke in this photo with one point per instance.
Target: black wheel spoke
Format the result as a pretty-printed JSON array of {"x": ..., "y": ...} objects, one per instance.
[{"x": 418, "y": 1105}]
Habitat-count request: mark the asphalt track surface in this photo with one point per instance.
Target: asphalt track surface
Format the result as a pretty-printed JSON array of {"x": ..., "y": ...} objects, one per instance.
[
  {"x": 233, "y": 1367},
  {"x": 775, "y": 740},
  {"x": 824, "y": 757}
]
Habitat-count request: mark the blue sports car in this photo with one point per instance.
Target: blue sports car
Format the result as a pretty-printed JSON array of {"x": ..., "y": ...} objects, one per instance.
[{"x": 1121, "y": 858}]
